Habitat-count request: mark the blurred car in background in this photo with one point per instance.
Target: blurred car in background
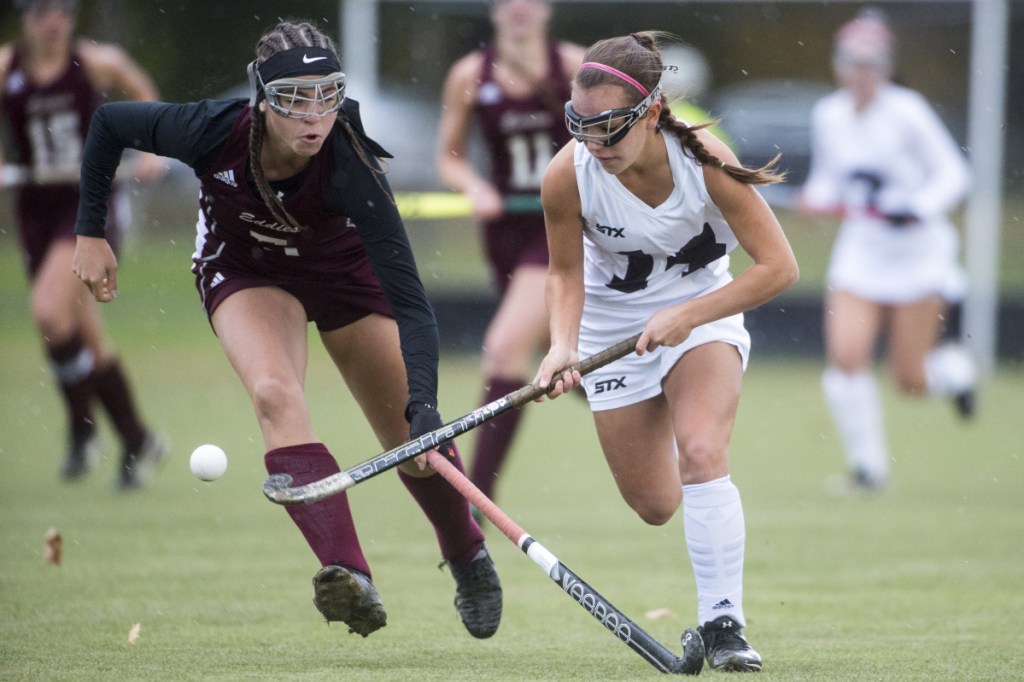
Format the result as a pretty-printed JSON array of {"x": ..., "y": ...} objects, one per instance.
[{"x": 766, "y": 117}]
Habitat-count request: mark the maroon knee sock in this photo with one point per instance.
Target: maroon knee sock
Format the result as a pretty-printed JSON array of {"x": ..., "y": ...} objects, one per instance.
[
  {"x": 327, "y": 525},
  {"x": 495, "y": 438},
  {"x": 115, "y": 394},
  {"x": 73, "y": 369},
  {"x": 458, "y": 535}
]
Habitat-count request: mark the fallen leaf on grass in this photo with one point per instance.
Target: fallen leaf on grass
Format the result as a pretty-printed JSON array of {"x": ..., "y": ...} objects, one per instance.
[
  {"x": 51, "y": 551},
  {"x": 657, "y": 614},
  {"x": 133, "y": 634}
]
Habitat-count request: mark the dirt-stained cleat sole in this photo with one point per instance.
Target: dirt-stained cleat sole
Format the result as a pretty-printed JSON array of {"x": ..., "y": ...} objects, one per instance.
[{"x": 347, "y": 596}]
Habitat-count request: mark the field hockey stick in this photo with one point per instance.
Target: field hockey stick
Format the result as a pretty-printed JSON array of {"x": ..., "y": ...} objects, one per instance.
[
  {"x": 631, "y": 634},
  {"x": 439, "y": 205},
  {"x": 277, "y": 486}
]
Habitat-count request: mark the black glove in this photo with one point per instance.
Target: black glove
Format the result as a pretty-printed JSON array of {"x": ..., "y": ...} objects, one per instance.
[
  {"x": 424, "y": 418},
  {"x": 901, "y": 219}
]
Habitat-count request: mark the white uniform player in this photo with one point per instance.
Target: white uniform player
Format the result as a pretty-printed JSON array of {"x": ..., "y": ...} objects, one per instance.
[
  {"x": 642, "y": 211},
  {"x": 894, "y": 161},
  {"x": 882, "y": 159},
  {"x": 638, "y": 260}
]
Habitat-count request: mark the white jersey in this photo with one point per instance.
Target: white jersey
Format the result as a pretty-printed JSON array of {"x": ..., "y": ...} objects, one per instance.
[
  {"x": 893, "y": 158},
  {"x": 638, "y": 260},
  {"x": 652, "y": 257}
]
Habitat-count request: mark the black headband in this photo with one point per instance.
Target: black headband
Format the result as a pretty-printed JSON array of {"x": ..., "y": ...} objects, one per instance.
[{"x": 299, "y": 61}]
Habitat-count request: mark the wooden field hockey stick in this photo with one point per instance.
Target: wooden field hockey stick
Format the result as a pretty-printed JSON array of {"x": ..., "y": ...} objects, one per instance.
[
  {"x": 631, "y": 634},
  {"x": 277, "y": 486}
]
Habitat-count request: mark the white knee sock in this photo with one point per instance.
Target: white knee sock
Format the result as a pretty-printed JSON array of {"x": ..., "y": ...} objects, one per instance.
[
  {"x": 949, "y": 370},
  {"x": 715, "y": 539},
  {"x": 856, "y": 409}
]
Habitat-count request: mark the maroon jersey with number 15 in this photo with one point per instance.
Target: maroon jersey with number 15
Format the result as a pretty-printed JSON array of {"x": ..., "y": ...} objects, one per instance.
[{"x": 47, "y": 126}]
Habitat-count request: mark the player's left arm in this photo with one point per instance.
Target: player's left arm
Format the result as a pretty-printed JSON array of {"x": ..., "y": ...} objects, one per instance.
[
  {"x": 113, "y": 71},
  {"x": 759, "y": 233},
  {"x": 365, "y": 198},
  {"x": 948, "y": 172}
]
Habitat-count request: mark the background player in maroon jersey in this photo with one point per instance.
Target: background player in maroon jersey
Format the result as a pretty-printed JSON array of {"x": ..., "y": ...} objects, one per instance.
[
  {"x": 297, "y": 224},
  {"x": 51, "y": 84},
  {"x": 515, "y": 89}
]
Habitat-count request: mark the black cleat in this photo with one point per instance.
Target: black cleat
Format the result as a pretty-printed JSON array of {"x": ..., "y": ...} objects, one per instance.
[
  {"x": 727, "y": 649},
  {"x": 346, "y": 595},
  {"x": 478, "y": 594},
  {"x": 82, "y": 456},
  {"x": 965, "y": 403},
  {"x": 137, "y": 467},
  {"x": 857, "y": 482}
]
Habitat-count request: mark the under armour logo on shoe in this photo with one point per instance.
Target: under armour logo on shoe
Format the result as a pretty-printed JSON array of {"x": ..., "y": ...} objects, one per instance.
[
  {"x": 227, "y": 177},
  {"x": 724, "y": 604}
]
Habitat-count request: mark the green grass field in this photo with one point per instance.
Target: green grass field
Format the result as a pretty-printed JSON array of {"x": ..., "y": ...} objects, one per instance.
[{"x": 922, "y": 583}]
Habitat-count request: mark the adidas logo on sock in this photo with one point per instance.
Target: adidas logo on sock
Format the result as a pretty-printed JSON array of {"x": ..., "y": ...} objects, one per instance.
[
  {"x": 227, "y": 177},
  {"x": 724, "y": 604}
]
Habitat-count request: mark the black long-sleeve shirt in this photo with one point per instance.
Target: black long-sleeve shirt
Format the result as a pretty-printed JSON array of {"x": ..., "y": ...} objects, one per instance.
[{"x": 195, "y": 133}]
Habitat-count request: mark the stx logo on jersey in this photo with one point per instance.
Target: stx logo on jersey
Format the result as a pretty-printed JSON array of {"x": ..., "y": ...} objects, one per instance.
[
  {"x": 613, "y": 232},
  {"x": 609, "y": 385}
]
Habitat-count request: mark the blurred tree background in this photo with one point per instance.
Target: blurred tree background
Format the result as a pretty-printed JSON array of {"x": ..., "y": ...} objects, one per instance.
[
  {"x": 765, "y": 61},
  {"x": 198, "y": 49}
]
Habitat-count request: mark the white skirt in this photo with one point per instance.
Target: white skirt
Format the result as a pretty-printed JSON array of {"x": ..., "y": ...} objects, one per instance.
[
  {"x": 893, "y": 265},
  {"x": 635, "y": 378}
]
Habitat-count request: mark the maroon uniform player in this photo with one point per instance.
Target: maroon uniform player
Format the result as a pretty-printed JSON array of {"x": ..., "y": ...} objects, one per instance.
[
  {"x": 515, "y": 88},
  {"x": 51, "y": 84},
  {"x": 297, "y": 224}
]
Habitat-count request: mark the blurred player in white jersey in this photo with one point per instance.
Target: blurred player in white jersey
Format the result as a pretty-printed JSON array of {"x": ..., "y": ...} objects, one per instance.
[{"x": 882, "y": 159}]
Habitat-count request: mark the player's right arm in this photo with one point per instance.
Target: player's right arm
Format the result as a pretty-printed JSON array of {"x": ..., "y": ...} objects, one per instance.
[
  {"x": 564, "y": 223},
  {"x": 192, "y": 133},
  {"x": 457, "y": 173},
  {"x": 820, "y": 192}
]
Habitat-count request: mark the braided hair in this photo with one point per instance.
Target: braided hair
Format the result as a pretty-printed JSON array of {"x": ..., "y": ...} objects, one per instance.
[
  {"x": 638, "y": 55},
  {"x": 285, "y": 36}
]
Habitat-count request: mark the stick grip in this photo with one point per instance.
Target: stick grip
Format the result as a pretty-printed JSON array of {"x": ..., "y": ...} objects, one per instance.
[{"x": 531, "y": 392}]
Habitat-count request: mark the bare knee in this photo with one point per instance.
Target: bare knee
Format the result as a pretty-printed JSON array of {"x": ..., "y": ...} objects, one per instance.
[
  {"x": 702, "y": 460},
  {"x": 52, "y": 322},
  {"x": 909, "y": 377},
  {"x": 505, "y": 355},
  {"x": 272, "y": 398},
  {"x": 654, "y": 514},
  {"x": 654, "y": 508}
]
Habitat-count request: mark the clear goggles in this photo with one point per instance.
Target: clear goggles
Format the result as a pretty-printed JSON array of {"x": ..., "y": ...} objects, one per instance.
[
  {"x": 305, "y": 97},
  {"x": 611, "y": 125}
]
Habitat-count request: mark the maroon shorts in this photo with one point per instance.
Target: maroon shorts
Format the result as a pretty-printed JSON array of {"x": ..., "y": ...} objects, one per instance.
[
  {"x": 513, "y": 241},
  {"x": 334, "y": 291},
  {"x": 46, "y": 214}
]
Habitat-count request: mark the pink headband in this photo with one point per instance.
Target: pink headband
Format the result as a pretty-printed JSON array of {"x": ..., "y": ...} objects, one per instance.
[{"x": 616, "y": 72}]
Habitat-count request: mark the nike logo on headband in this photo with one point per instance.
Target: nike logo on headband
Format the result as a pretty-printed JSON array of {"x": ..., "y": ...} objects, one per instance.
[{"x": 310, "y": 60}]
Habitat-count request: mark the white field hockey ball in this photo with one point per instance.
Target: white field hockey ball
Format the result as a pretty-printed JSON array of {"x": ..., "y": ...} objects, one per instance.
[{"x": 208, "y": 462}]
